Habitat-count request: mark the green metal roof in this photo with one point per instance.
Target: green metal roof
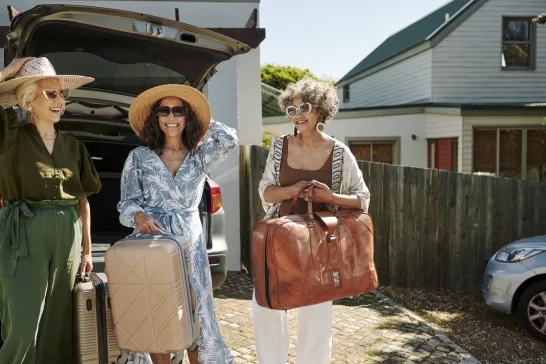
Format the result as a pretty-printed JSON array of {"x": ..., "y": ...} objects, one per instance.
[{"x": 412, "y": 35}]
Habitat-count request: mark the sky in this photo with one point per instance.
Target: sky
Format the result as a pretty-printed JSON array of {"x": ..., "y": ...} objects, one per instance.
[{"x": 330, "y": 37}]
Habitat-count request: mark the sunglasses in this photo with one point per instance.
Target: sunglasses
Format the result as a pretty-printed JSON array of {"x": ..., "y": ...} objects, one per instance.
[
  {"x": 51, "y": 94},
  {"x": 177, "y": 111},
  {"x": 304, "y": 109}
]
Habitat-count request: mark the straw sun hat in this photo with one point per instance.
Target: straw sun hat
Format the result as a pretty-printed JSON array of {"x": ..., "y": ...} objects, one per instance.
[
  {"x": 33, "y": 70},
  {"x": 141, "y": 107}
]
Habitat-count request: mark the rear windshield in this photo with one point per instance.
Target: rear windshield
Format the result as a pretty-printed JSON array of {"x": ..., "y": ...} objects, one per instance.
[{"x": 132, "y": 78}]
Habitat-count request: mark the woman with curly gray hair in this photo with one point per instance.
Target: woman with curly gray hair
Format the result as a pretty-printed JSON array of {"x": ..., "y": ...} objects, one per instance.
[{"x": 294, "y": 161}]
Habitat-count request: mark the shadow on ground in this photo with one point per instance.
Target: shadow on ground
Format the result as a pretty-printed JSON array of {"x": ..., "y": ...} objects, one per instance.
[{"x": 368, "y": 329}]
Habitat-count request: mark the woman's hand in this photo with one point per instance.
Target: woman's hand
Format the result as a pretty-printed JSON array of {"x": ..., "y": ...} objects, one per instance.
[
  {"x": 321, "y": 193},
  {"x": 147, "y": 224},
  {"x": 296, "y": 189},
  {"x": 14, "y": 67},
  {"x": 86, "y": 264}
]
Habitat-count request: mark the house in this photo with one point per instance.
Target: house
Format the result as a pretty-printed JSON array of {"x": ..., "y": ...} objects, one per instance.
[
  {"x": 461, "y": 89},
  {"x": 234, "y": 92}
]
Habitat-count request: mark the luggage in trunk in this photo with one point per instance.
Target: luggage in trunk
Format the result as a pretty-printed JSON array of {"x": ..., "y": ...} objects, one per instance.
[
  {"x": 153, "y": 303},
  {"x": 95, "y": 339}
]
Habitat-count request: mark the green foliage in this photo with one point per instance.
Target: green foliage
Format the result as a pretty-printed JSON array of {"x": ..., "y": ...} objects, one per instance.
[
  {"x": 266, "y": 138},
  {"x": 541, "y": 19},
  {"x": 280, "y": 76}
]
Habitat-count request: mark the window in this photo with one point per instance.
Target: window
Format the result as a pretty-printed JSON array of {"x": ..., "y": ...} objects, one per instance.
[
  {"x": 374, "y": 151},
  {"x": 485, "y": 151},
  {"x": 518, "y": 36},
  {"x": 347, "y": 93},
  {"x": 132, "y": 78},
  {"x": 510, "y": 153},
  {"x": 513, "y": 153}
]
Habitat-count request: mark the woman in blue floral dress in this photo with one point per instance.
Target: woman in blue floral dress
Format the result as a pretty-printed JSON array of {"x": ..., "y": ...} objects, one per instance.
[{"x": 161, "y": 187}]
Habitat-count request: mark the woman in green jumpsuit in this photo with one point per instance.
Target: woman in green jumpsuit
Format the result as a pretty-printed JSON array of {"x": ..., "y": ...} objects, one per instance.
[{"x": 45, "y": 177}]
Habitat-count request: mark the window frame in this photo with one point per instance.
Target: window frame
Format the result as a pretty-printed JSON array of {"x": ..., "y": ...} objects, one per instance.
[
  {"x": 346, "y": 93},
  {"x": 395, "y": 141},
  {"x": 524, "y": 145},
  {"x": 531, "y": 42}
]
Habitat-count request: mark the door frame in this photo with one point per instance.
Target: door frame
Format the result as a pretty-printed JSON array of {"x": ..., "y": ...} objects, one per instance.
[{"x": 434, "y": 158}]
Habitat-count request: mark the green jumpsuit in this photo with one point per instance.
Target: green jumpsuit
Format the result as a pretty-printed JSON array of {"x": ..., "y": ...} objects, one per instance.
[{"x": 40, "y": 241}]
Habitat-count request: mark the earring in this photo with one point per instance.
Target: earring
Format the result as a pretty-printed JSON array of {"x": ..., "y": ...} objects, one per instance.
[
  {"x": 320, "y": 126},
  {"x": 295, "y": 131}
]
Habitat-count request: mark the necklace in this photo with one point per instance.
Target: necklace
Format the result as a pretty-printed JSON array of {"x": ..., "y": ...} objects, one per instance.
[
  {"x": 43, "y": 137},
  {"x": 174, "y": 149}
]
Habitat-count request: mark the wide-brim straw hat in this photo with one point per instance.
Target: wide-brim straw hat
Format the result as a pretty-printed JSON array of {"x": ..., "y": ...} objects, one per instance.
[
  {"x": 141, "y": 108},
  {"x": 33, "y": 70}
]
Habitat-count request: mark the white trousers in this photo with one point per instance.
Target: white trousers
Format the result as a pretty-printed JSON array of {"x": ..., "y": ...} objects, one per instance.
[{"x": 314, "y": 334}]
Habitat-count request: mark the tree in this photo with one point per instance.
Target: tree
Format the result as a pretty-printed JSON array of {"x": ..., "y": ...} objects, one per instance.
[
  {"x": 280, "y": 76},
  {"x": 541, "y": 19},
  {"x": 266, "y": 138}
]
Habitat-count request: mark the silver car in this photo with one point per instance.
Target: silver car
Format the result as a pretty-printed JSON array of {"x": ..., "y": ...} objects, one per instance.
[{"x": 515, "y": 283}]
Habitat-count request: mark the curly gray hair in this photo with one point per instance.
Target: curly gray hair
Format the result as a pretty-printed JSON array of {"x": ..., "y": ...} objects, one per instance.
[{"x": 317, "y": 93}]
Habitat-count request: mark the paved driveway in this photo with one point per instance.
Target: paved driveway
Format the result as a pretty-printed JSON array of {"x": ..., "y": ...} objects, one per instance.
[{"x": 370, "y": 329}]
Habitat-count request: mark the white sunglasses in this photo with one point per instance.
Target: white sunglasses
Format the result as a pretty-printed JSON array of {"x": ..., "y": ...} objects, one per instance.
[{"x": 304, "y": 109}]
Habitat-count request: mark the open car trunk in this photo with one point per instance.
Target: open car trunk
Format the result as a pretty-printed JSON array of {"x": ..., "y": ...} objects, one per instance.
[
  {"x": 109, "y": 144},
  {"x": 124, "y": 51},
  {"x": 127, "y": 53}
]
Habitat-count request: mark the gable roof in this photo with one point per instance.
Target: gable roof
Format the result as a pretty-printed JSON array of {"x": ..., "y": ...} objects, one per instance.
[{"x": 421, "y": 31}]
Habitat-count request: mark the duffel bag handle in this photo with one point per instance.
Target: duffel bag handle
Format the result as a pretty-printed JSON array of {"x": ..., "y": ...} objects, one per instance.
[
  {"x": 326, "y": 217},
  {"x": 309, "y": 200}
]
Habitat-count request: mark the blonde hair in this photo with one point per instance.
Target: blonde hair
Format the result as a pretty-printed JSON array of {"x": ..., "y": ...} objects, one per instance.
[{"x": 25, "y": 93}]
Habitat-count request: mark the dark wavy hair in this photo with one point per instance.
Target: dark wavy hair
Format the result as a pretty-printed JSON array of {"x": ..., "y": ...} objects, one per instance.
[{"x": 152, "y": 136}]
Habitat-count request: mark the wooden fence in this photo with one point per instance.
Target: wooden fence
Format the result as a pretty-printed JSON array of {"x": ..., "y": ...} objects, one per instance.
[{"x": 432, "y": 229}]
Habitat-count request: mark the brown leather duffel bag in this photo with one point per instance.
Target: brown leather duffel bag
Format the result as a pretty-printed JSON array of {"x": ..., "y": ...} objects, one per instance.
[{"x": 305, "y": 259}]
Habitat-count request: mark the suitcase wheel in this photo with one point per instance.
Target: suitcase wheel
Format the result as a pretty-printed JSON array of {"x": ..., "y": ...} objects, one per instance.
[{"x": 123, "y": 358}]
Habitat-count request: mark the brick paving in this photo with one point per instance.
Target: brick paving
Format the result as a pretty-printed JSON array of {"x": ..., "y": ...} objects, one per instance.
[{"x": 369, "y": 329}]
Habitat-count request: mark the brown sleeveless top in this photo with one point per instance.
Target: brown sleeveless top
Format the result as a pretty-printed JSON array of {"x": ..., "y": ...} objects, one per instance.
[{"x": 289, "y": 176}]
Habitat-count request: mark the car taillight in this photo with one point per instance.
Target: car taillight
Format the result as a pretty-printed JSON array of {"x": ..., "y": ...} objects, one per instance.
[{"x": 215, "y": 196}]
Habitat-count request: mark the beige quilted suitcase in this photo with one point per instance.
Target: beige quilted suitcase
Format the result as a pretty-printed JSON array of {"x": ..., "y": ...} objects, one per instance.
[{"x": 153, "y": 304}]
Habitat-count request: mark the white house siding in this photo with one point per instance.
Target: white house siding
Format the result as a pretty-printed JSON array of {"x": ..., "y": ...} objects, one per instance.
[
  {"x": 234, "y": 92},
  {"x": 466, "y": 65},
  {"x": 445, "y": 126},
  {"x": 470, "y": 122},
  {"x": 396, "y": 127},
  {"x": 408, "y": 81}
]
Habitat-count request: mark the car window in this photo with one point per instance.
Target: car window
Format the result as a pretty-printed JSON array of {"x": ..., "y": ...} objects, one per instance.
[{"x": 127, "y": 78}]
